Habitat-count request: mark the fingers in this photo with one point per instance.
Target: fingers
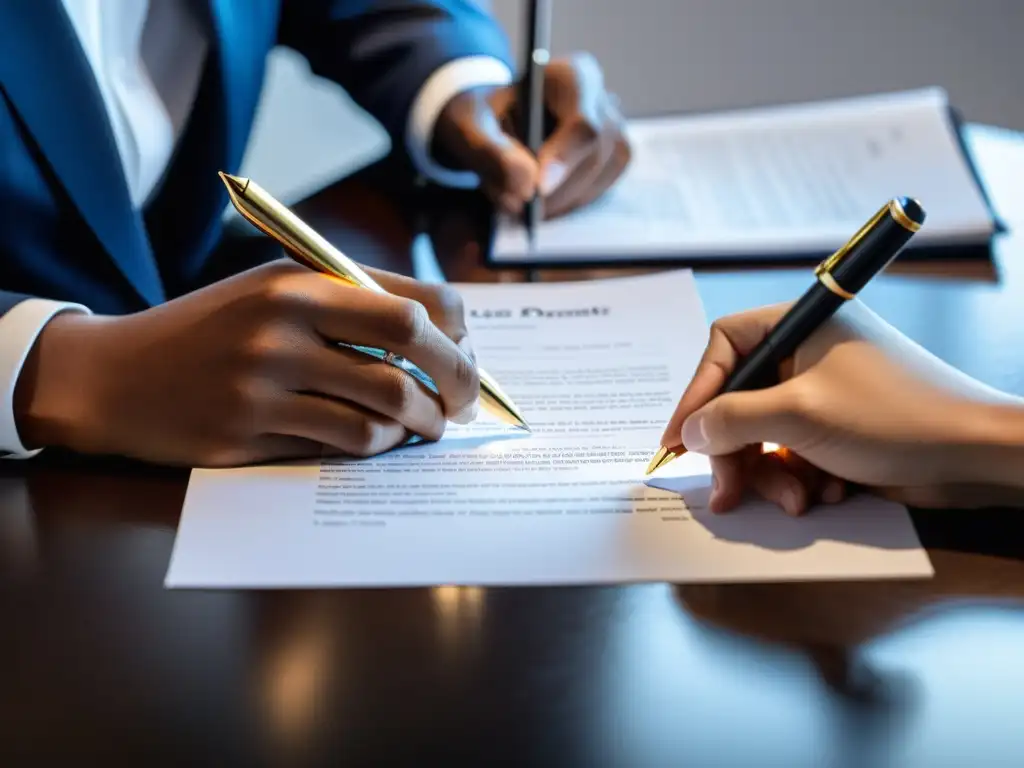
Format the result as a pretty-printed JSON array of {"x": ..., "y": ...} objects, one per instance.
[
  {"x": 376, "y": 386},
  {"x": 343, "y": 427},
  {"x": 608, "y": 158},
  {"x": 402, "y": 326},
  {"x": 575, "y": 152},
  {"x": 259, "y": 450},
  {"x": 574, "y": 93},
  {"x": 781, "y": 484},
  {"x": 782, "y": 478},
  {"x": 833, "y": 490},
  {"x": 313, "y": 427},
  {"x": 508, "y": 174},
  {"x": 443, "y": 302},
  {"x": 730, "y": 338},
  {"x": 470, "y": 130},
  {"x": 739, "y": 419},
  {"x": 588, "y": 150},
  {"x": 729, "y": 482}
]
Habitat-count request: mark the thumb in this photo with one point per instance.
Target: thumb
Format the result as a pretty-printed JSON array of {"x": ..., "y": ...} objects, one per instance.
[
  {"x": 733, "y": 421},
  {"x": 577, "y": 99},
  {"x": 570, "y": 144}
]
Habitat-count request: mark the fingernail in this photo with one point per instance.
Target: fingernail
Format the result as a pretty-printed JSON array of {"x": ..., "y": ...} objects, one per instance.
[
  {"x": 552, "y": 177},
  {"x": 468, "y": 414},
  {"x": 789, "y": 501},
  {"x": 833, "y": 492},
  {"x": 693, "y": 435}
]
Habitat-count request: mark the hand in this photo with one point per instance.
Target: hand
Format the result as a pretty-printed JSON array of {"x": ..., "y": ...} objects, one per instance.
[
  {"x": 583, "y": 157},
  {"x": 859, "y": 403},
  {"x": 248, "y": 370}
]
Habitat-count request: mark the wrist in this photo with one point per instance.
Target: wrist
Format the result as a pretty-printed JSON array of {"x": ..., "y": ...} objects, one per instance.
[
  {"x": 991, "y": 447},
  {"x": 459, "y": 76},
  {"x": 51, "y": 398}
]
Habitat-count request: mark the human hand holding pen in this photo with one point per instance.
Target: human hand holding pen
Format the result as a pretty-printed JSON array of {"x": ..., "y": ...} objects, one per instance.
[
  {"x": 582, "y": 158},
  {"x": 249, "y": 369},
  {"x": 859, "y": 404}
]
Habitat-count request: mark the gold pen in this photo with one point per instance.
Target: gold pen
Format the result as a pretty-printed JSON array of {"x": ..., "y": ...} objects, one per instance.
[
  {"x": 309, "y": 248},
  {"x": 839, "y": 278}
]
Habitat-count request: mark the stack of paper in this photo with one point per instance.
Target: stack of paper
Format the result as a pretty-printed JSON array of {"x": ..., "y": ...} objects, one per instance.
[{"x": 774, "y": 183}]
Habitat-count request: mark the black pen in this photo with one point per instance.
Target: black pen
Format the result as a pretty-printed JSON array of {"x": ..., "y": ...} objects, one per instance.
[
  {"x": 531, "y": 97},
  {"x": 840, "y": 278}
]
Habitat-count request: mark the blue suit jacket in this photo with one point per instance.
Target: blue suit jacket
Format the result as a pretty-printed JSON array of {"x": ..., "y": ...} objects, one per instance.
[{"x": 67, "y": 228}]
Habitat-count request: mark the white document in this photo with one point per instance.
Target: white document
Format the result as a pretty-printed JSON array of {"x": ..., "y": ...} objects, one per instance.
[
  {"x": 764, "y": 182},
  {"x": 597, "y": 371}
]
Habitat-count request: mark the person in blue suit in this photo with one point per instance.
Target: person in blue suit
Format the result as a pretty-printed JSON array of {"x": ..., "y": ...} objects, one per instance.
[{"x": 115, "y": 116}]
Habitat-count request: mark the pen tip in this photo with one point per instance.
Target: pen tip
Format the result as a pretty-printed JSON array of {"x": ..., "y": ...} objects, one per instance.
[
  {"x": 233, "y": 183},
  {"x": 661, "y": 458},
  {"x": 520, "y": 423},
  {"x": 499, "y": 404}
]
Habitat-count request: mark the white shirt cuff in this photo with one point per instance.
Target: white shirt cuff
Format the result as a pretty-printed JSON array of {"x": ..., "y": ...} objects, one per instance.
[
  {"x": 453, "y": 78},
  {"x": 19, "y": 328}
]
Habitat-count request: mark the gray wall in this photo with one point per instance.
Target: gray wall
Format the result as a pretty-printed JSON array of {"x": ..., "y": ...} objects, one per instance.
[{"x": 708, "y": 54}]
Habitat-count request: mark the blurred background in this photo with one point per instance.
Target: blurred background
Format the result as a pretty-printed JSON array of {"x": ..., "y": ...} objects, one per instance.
[{"x": 692, "y": 55}]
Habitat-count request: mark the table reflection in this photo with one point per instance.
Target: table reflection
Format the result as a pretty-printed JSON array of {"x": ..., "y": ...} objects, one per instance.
[
  {"x": 299, "y": 670},
  {"x": 833, "y": 625},
  {"x": 19, "y": 545},
  {"x": 836, "y": 673}
]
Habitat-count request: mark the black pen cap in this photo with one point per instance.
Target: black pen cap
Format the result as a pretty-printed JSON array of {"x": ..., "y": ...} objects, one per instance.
[{"x": 879, "y": 242}]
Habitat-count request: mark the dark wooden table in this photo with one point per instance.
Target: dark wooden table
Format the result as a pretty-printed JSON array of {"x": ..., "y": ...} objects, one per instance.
[{"x": 100, "y": 665}]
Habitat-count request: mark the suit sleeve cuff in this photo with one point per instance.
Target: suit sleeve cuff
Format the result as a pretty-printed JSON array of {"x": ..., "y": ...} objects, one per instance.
[
  {"x": 453, "y": 78},
  {"x": 20, "y": 326}
]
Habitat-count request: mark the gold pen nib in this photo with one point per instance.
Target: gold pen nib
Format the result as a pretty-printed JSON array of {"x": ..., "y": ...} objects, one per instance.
[
  {"x": 661, "y": 458},
  {"x": 234, "y": 184},
  {"x": 498, "y": 404}
]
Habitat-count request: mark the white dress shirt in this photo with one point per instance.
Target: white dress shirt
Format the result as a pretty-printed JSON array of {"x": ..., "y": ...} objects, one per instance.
[{"x": 147, "y": 58}]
